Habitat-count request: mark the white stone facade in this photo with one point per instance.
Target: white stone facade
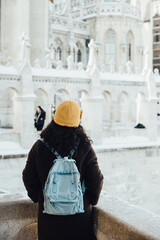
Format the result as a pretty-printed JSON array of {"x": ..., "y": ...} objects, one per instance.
[
  {"x": 43, "y": 62},
  {"x": 62, "y": 28}
]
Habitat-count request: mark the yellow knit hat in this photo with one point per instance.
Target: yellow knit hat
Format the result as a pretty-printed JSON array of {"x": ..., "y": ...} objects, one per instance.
[{"x": 68, "y": 114}]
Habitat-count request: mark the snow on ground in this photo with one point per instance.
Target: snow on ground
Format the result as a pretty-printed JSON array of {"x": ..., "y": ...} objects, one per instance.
[
  {"x": 126, "y": 142},
  {"x": 7, "y": 147},
  {"x": 11, "y": 184}
]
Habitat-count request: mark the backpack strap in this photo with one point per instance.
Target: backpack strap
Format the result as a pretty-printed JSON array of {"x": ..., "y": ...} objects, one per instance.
[
  {"x": 74, "y": 148},
  {"x": 50, "y": 148},
  {"x": 56, "y": 153}
]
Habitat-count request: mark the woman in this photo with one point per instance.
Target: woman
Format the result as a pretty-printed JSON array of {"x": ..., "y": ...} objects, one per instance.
[
  {"x": 62, "y": 134},
  {"x": 40, "y": 116}
]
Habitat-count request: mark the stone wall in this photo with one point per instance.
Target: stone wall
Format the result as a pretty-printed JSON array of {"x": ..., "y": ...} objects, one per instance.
[
  {"x": 17, "y": 216},
  {"x": 118, "y": 220},
  {"x": 114, "y": 219}
]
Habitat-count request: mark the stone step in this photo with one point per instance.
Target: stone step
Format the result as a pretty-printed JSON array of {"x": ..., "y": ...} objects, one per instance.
[
  {"x": 9, "y": 135},
  {"x": 123, "y": 132}
]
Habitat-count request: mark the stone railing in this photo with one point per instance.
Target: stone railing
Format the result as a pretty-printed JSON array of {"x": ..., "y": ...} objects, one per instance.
[
  {"x": 106, "y": 9},
  {"x": 62, "y": 23},
  {"x": 18, "y": 220},
  {"x": 92, "y": 8},
  {"x": 114, "y": 219},
  {"x": 118, "y": 220},
  {"x": 9, "y": 73}
]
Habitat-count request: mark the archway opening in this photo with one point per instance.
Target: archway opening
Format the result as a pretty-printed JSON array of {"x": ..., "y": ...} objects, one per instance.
[
  {"x": 8, "y": 108},
  {"x": 123, "y": 110},
  {"x": 107, "y": 109}
]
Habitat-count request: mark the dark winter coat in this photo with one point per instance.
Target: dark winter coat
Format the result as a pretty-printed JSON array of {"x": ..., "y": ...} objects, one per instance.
[
  {"x": 73, "y": 227},
  {"x": 39, "y": 121}
]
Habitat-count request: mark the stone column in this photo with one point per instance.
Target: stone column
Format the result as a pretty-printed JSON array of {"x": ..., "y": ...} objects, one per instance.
[
  {"x": 152, "y": 119},
  {"x": 152, "y": 107},
  {"x": 146, "y": 61},
  {"x": 26, "y": 103},
  {"x": 124, "y": 114},
  {"x": 39, "y": 28},
  {"x": 0, "y": 112},
  {"x": 92, "y": 118},
  {"x": 17, "y": 114},
  {"x": 142, "y": 111},
  {"x": 113, "y": 113},
  {"x": 133, "y": 112},
  {"x": 93, "y": 105},
  {"x": 49, "y": 109},
  {"x": 27, "y": 133},
  {"x": 17, "y": 14}
]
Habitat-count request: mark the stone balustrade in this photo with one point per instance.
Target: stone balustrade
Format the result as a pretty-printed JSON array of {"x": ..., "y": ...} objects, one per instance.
[
  {"x": 59, "y": 22},
  {"x": 118, "y": 89},
  {"x": 114, "y": 219},
  {"x": 93, "y": 9},
  {"x": 16, "y": 218},
  {"x": 119, "y": 220}
]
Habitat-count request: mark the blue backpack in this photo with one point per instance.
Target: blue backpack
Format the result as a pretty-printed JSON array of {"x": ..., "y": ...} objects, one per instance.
[{"x": 62, "y": 192}]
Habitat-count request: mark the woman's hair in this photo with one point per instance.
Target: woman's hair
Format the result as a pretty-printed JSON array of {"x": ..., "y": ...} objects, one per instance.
[
  {"x": 36, "y": 114},
  {"x": 40, "y": 108},
  {"x": 63, "y": 138}
]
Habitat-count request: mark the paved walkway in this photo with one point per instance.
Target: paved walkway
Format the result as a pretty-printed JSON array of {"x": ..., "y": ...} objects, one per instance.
[
  {"x": 11, "y": 148},
  {"x": 14, "y": 148}
]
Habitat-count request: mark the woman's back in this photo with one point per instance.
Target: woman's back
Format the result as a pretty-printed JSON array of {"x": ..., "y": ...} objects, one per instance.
[{"x": 40, "y": 160}]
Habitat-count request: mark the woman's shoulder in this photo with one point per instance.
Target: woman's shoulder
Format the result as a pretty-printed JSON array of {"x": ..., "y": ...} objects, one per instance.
[
  {"x": 37, "y": 145},
  {"x": 85, "y": 147},
  {"x": 43, "y": 113}
]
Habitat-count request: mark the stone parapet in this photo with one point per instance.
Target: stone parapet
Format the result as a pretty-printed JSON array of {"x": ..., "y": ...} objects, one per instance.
[
  {"x": 11, "y": 156},
  {"x": 16, "y": 216},
  {"x": 114, "y": 219},
  {"x": 119, "y": 220}
]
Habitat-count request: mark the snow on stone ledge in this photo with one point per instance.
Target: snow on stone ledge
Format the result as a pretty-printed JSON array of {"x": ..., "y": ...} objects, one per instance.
[
  {"x": 125, "y": 142},
  {"x": 123, "y": 220},
  {"x": 58, "y": 73},
  {"x": 121, "y": 77},
  {"x": 7, "y": 148},
  {"x": 9, "y": 70}
]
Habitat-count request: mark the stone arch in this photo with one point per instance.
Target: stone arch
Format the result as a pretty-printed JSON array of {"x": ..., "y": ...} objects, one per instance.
[
  {"x": 42, "y": 100},
  {"x": 141, "y": 115},
  {"x": 130, "y": 46},
  {"x": 7, "y": 107},
  {"x": 123, "y": 109},
  {"x": 141, "y": 95},
  {"x": 60, "y": 96},
  {"x": 133, "y": 107},
  {"x": 56, "y": 47},
  {"x": 79, "y": 52},
  {"x": 72, "y": 50},
  {"x": 81, "y": 95},
  {"x": 110, "y": 48},
  {"x": 107, "y": 108}
]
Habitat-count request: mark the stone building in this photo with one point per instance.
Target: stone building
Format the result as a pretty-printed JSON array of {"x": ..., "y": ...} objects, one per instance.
[
  {"x": 57, "y": 29},
  {"x": 45, "y": 50},
  {"x": 156, "y": 34}
]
